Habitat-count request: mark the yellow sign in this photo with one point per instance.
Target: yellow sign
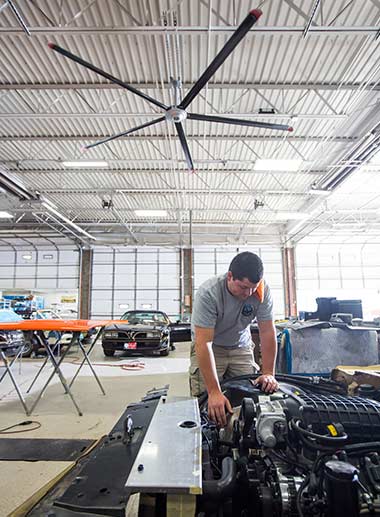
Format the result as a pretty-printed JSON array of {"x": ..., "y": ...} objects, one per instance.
[{"x": 68, "y": 299}]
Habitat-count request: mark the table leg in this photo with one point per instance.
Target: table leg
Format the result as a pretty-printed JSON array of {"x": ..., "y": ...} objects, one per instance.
[
  {"x": 8, "y": 369},
  {"x": 84, "y": 360},
  {"x": 57, "y": 371}
]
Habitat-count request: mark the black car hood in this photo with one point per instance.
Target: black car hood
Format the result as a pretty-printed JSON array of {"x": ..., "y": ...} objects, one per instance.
[{"x": 122, "y": 327}]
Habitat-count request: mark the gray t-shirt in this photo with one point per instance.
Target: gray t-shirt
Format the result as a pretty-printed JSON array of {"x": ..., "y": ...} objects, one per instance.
[{"x": 215, "y": 307}]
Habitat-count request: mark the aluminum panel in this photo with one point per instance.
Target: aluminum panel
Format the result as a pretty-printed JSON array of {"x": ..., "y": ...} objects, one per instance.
[{"x": 169, "y": 459}]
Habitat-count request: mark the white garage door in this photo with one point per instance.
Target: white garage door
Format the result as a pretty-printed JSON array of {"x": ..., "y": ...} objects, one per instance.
[{"x": 136, "y": 278}]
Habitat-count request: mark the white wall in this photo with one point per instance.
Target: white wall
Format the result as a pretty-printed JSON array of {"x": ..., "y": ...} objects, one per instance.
[
  {"x": 54, "y": 299},
  {"x": 49, "y": 269},
  {"x": 346, "y": 271}
]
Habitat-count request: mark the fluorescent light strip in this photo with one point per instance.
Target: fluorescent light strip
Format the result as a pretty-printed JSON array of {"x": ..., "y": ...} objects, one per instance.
[
  {"x": 277, "y": 165},
  {"x": 319, "y": 192},
  {"x": 151, "y": 213},
  {"x": 285, "y": 216},
  {"x": 86, "y": 165},
  {"x": 5, "y": 215}
]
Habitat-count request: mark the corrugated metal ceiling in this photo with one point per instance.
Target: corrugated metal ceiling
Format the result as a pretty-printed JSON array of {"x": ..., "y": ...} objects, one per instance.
[{"x": 324, "y": 82}]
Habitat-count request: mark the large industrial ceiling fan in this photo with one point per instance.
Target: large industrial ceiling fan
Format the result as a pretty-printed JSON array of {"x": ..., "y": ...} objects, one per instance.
[{"x": 178, "y": 113}]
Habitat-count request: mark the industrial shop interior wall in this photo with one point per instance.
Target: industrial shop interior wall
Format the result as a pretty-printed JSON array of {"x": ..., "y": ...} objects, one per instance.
[
  {"x": 150, "y": 278},
  {"x": 346, "y": 271},
  {"x": 51, "y": 275},
  {"x": 125, "y": 278}
]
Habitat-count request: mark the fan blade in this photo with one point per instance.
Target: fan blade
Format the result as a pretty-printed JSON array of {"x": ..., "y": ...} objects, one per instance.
[
  {"x": 185, "y": 147},
  {"x": 124, "y": 133},
  {"x": 238, "y": 122},
  {"x": 108, "y": 76},
  {"x": 223, "y": 54}
]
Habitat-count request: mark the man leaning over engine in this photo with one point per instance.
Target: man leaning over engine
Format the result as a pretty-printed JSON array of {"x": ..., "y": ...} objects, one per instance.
[{"x": 224, "y": 308}]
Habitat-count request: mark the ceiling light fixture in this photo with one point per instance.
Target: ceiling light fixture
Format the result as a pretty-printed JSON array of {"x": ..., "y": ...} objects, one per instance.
[
  {"x": 151, "y": 213},
  {"x": 284, "y": 216},
  {"x": 27, "y": 256},
  {"x": 277, "y": 165},
  {"x": 5, "y": 215},
  {"x": 319, "y": 192},
  {"x": 86, "y": 165}
]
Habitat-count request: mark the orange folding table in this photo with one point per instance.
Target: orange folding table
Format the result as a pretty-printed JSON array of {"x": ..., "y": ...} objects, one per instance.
[{"x": 38, "y": 327}]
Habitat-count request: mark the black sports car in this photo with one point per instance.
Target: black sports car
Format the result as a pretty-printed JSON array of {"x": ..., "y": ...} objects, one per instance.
[{"x": 144, "y": 332}]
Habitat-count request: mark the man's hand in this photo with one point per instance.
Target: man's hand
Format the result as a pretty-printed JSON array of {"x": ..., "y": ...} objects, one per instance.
[
  {"x": 267, "y": 383},
  {"x": 217, "y": 406}
]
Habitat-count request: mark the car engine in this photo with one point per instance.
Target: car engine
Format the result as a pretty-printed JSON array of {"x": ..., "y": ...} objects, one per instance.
[{"x": 307, "y": 450}]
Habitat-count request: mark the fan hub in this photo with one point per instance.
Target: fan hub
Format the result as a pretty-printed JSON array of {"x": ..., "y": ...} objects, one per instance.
[{"x": 175, "y": 115}]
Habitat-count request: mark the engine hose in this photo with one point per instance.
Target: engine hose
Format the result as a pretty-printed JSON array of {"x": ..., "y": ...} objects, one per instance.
[
  {"x": 362, "y": 447},
  {"x": 326, "y": 385},
  {"x": 321, "y": 438},
  {"x": 223, "y": 487}
]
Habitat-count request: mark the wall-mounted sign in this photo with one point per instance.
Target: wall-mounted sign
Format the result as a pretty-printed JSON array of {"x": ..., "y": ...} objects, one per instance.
[{"x": 68, "y": 299}]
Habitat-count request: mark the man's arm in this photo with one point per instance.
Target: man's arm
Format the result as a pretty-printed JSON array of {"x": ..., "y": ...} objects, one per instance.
[
  {"x": 217, "y": 402},
  {"x": 268, "y": 342}
]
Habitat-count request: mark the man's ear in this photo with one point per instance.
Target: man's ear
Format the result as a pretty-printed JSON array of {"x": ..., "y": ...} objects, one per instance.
[{"x": 229, "y": 275}]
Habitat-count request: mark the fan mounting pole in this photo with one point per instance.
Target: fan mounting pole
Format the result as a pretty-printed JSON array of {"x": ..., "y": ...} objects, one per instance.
[
  {"x": 176, "y": 84},
  {"x": 175, "y": 114}
]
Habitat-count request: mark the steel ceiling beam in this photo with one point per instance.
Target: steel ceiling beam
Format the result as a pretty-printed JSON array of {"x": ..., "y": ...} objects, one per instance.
[
  {"x": 157, "y": 138},
  {"x": 154, "y": 171},
  {"x": 185, "y": 86},
  {"x": 174, "y": 191},
  {"x": 147, "y": 220},
  {"x": 101, "y": 116},
  {"x": 188, "y": 30}
]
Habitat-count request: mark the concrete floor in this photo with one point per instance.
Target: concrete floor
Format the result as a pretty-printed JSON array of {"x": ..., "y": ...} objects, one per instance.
[{"x": 59, "y": 419}]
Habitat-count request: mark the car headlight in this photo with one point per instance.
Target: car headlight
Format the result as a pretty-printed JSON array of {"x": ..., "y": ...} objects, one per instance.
[{"x": 111, "y": 334}]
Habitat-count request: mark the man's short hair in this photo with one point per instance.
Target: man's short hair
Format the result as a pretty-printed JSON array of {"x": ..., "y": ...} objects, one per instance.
[{"x": 247, "y": 265}]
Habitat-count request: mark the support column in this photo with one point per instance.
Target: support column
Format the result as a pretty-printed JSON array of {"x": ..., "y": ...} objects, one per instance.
[
  {"x": 85, "y": 281},
  {"x": 187, "y": 272},
  {"x": 290, "y": 288}
]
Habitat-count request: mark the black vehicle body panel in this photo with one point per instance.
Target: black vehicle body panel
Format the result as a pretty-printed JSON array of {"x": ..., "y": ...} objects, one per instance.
[
  {"x": 145, "y": 337},
  {"x": 11, "y": 340},
  {"x": 180, "y": 331},
  {"x": 96, "y": 484}
]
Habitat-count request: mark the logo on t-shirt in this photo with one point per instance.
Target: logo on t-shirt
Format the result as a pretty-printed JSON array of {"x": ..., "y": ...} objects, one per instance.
[{"x": 247, "y": 309}]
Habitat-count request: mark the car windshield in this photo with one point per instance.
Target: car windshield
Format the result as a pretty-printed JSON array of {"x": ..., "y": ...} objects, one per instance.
[{"x": 146, "y": 317}]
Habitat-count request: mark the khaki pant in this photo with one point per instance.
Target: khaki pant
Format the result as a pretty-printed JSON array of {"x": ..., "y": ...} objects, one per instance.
[{"x": 230, "y": 362}]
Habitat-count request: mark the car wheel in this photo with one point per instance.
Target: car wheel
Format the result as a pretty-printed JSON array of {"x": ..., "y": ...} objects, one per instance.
[
  {"x": 27, "y": 350},
  {"x": 164, "y": 353},
  {"x": 109, "y": 353}
]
